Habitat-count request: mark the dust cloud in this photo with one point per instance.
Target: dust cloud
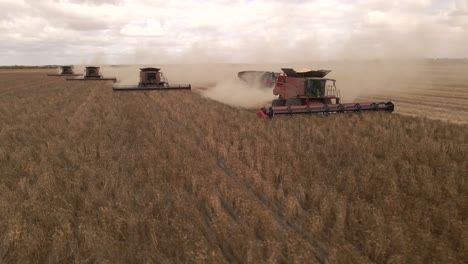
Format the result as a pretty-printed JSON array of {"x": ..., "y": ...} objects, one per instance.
[
  {"x": 216, "y": 81},
  {"x": 355, "y": 78},
  {"x": 236, "y": 92},
  {"x": 360, "y": 68},
  {"x": 221, "y": 83},
  {"x": 365, "y": 78}
]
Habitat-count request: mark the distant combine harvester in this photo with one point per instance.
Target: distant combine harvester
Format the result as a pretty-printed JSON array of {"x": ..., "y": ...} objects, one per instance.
[
  {"x": 66, "y": 71},
  {"x": 92, "y": 74},
  {"x": 151, "y": 79}
]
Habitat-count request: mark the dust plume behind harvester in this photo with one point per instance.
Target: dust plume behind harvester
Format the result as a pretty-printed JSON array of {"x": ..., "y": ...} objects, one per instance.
[
  {"x": 151, "y": 79},
  {"x": 263, "y": 79},
  {"x": 92, "y": 73},
  {"x": 309, "y": 92},
  {"x": 65, "y": 71}
]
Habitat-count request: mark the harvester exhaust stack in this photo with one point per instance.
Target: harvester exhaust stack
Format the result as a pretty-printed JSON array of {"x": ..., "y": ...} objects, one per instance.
[
  {"x": 151, "y": 79},
  {"x": 309, "y": 92},
  {"x": 92, "y": 73}
]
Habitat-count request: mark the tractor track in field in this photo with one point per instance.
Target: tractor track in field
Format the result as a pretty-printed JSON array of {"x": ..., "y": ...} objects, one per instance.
[
  {"x": 214, "y": 238},
  {"x": 320, "y": 253},
  {"x": 232, "y": 178},
  {"x": 207, "y": 228},
  {"x": 291, "y": 226},
  {"x": 287, "y": 224},
  {"x": 83, "y": 107}
]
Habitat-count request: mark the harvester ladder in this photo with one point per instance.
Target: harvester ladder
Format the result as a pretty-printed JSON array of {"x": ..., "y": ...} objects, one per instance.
[
  {"x": 332, "y": 91},
  {"x": 164, "y": 80}
]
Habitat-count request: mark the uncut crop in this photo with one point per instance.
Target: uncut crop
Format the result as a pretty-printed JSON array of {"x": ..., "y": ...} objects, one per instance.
[{"x": 92, "y": 176}]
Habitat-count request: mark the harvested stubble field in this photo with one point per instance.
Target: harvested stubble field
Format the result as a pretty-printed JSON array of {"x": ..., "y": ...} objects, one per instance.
[
  {"x": 92, "y": 176},
  {"x": 436, "y": 90}
]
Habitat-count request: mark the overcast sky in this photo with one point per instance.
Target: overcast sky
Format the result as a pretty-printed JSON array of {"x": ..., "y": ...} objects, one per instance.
[{"x": 201, "y": 31}]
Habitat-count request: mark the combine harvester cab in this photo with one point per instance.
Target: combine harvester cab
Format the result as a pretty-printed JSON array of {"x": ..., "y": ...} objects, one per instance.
[
  {"x": 151, "y": 79},
  {"x": 92, "y": 73},
  {"x": 263, "y": 79},
  {"x": 66, "y": 71},
  {"x": 309, "y": 92}
]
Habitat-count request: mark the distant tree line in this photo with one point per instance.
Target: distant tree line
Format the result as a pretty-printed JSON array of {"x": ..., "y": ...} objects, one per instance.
[{"x": 29, "y": 67}]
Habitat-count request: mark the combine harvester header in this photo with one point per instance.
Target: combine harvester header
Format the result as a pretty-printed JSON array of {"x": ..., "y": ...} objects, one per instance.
[
  {"x": 151, "y": 79},
  {"x": 309, "y": 92},
  {"x": 66, "y": 71},
  {"x": 92, "y": 73}
]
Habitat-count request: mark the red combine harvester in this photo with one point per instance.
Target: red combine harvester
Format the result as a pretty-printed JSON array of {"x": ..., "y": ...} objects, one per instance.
[
  {"x": 308, "y": 92},
  {"x": 258, "y": 78},
  {"x": 92, "y": 73},
  {"x": 151, "y": 79},
  {"x": 66, "y": 71}
]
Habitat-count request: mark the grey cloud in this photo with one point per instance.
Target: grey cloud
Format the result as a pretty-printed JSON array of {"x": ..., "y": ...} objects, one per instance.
[
  {"x": 61, "y": 17},
  {"x": 95, "y": 2},
  {"x": 268, "y": 31}
]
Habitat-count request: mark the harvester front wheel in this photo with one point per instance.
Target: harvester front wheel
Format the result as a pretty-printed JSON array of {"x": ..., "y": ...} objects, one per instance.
[
  {"x": 278, "y": 102},
  {"x": 293, "y": 101}
]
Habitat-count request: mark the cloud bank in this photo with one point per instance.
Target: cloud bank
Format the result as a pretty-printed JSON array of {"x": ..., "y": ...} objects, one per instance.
[{"x": 196, "y": 31}]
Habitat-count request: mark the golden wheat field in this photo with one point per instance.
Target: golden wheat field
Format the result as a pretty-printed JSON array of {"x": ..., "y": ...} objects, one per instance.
[
  {"x": 88, "y": 175},
  {"x": 438, "y": 90}
]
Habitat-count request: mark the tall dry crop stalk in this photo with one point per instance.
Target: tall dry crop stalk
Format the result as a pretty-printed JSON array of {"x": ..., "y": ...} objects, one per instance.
[{"x": 88, "y": 175}]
